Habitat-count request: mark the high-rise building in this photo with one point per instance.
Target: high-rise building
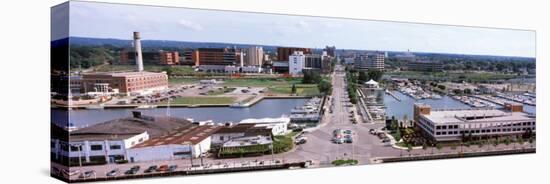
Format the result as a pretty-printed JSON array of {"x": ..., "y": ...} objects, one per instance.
[
  {"x": 284, "y": 52},
  {"x": 370, "y": 61},
  {"x": 254, "y": 56},
  {"x": 296, "y": 63}
]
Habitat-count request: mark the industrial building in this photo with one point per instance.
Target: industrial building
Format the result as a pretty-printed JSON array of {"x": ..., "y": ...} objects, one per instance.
[
  {"x": 127, "y": 83},
  {"x": 370, "y": 61},
  {"x": 455, "y": 124},
  {"x": 284, "y": 52},
  {"x": 425, "y": 66},
  {"x": 184, "y": 142},
  {"x": 110, "y": 141}
]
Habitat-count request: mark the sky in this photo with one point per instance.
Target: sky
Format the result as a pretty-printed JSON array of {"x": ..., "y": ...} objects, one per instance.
[{"x": 103, "y": 20}]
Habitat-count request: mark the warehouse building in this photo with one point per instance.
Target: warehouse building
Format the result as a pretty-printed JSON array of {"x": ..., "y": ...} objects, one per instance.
[
  {"x": 185, "y": 142},
  {"x": 111, "y": 141}
]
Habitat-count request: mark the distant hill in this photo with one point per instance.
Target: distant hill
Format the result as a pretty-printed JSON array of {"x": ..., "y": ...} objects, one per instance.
[
  {"x": 83, "y": 41},
  {"x": 155, "y": 44}
]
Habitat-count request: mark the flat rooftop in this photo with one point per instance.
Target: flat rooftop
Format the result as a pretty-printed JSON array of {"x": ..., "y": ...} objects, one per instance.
[
  {"x": 476, "y": 115},
  {"x": 186, "y": 135}
]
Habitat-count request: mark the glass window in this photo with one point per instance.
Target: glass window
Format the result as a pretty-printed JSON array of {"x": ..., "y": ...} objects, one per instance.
[
  {"x": 115, "y": 147},
  {"x": 96, "y": 147}
]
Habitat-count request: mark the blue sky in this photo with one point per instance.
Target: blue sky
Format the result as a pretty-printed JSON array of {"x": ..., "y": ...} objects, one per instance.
[{"x": 102, "y": 20}]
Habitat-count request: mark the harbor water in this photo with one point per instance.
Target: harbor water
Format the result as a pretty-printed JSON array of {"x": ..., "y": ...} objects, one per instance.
[{"x": 267, "y": 108}]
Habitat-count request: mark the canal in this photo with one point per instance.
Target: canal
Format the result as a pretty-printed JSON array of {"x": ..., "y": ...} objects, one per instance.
[{"x": 272, "y": 108}]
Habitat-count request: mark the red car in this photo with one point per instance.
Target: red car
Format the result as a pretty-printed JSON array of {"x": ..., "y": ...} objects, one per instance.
[{"x": 162, "y": 168}]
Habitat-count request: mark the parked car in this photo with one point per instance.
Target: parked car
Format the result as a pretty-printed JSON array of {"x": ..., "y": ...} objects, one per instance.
[
  {"x": 87, "y": 174},
  {"x": 172, "y": 168},
  {"x": 69, "y": 173},
  {"x": 162, "y": 168},
  {"x": 132, "y": 170},
  {"x": 113, "y": 172},
  {"x": 150, "y": 169},
  {"x": 300, "y": 140}
]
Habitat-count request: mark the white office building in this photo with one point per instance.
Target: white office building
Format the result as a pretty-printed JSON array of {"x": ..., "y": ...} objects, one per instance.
[
  {"x": 454, "y": 124},
  {"x": 296, "y": 63}
]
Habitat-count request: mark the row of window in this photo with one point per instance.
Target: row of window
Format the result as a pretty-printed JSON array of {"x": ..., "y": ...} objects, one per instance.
[
  {"x": 95, "y": 147},
  {"x": 466, "y": 132},
  {"x": 443, "y": 127}
]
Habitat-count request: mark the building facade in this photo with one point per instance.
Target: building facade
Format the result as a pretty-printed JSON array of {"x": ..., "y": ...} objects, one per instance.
[
  {"x": 284, "y": 52},
  {"x": 454, "y": 125},
  {"x": 215, "y": 56},
  {"x": 127, "y": 83},
  {"x": 254, "y": 56},
  {"x": 169, "y": 58},
  {"x": 425, "y": 66},
  {"x": 296, "y": 63},
  {"x": 370, "y": 61}
]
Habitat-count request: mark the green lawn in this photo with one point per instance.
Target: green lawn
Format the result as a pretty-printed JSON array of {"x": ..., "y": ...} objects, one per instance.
[
  {"x": 203, "y": 100},
  {"x": 261, "y": 82},
  {"x": 301, "y": 90}
]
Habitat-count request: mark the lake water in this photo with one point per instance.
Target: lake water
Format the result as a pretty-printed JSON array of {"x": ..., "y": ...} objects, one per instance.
[{"x": 272, "y": 108}]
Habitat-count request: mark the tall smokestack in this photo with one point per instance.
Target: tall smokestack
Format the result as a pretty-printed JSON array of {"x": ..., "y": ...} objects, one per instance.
[{"x": 139, "y": 58}]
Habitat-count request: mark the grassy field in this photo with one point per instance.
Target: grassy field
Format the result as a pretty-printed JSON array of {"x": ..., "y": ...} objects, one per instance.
[
  {"x": 203, "y": 100},
  {"x": 467, "y": 76},
  {"x": 301, "y": 90},
  {"x": 261, "y": 82}
]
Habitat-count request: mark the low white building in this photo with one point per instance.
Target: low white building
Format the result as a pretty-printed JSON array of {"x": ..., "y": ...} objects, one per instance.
[
  {"x": 278, "y": 126},
  {"x": 181, "y": 143},
  {"x": 110, "y": 141},
  {"x": 98, "y": 148},
  {"x": 228, "y": 133},
  {"x": 251, "y": 69}
]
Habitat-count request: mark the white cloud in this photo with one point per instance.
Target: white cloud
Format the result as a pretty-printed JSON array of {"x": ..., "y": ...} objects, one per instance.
[{"x": 189, "y": 25}]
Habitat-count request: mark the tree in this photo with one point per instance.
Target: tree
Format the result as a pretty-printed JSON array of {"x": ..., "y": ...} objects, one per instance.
[
  {"x": 375, "y": 75},
  {"x": 362, "y": 77},
  {"x": 324, "y": 87},
  {"x": 293, "y": 89}
]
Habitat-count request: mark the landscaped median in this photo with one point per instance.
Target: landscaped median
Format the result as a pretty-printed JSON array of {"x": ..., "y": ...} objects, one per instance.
[{"x": 340, "y": 162}]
